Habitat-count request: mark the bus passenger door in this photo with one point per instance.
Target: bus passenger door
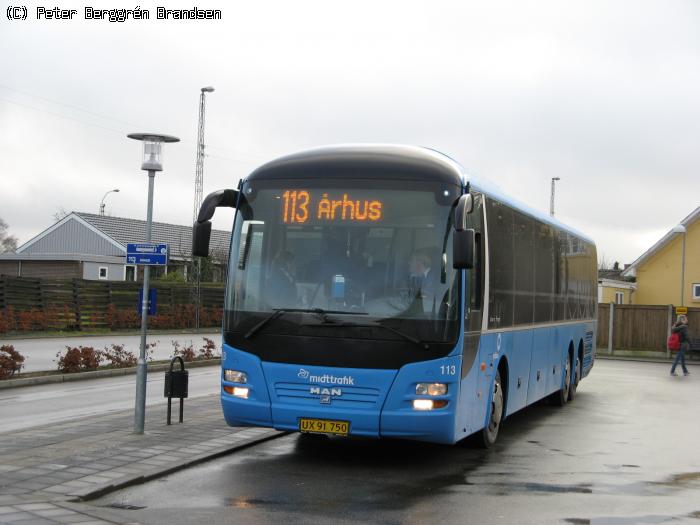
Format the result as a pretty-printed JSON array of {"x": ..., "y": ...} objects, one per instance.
[{"x": 473, "y": 317}]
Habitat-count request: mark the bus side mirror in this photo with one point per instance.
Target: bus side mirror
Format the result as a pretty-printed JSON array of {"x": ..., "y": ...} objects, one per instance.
[
  {"x": 463, "y": 249},
  {"x": 201, "y": 229},
  {"x": 465, "y": 205},
  {"x": 201, "y": 233}
]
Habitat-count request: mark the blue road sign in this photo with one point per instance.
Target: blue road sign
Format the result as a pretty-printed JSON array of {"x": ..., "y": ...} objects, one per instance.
[
  {"x": 153, "y": 254},
  {"x": 152, "y": 301}
]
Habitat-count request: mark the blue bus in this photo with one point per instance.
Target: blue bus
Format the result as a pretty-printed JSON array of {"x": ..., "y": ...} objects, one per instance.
[{"x": 378, "y": 290}]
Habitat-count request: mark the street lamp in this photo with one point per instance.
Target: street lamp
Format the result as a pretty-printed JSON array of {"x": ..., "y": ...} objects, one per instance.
[
  {"x": 680, "y": 229},
  {"x": 102, "y": 202},
  {"x": 152, "y": 162},
  {"x": 551, "y": 197}
]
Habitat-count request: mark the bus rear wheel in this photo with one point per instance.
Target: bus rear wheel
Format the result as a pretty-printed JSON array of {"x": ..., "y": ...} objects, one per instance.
[
  {"x": 577, "y": 378},
  {"x": 487, "y": 436},
  {"x": 560, "y": 397}
]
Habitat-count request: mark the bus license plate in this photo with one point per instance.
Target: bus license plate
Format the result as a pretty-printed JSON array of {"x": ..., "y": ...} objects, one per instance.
[{"x": 324, "y": 426}]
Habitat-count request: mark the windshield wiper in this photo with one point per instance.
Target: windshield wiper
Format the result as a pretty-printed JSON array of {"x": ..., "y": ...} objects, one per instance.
[
  {"x": 278, "y": 312},
  {"x": 339, "y": 324}
]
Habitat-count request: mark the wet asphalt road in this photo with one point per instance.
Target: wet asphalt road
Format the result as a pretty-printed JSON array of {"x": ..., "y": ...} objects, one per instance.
[
  {"x": 55, "y": 402},
  {"x": 627, "y": 450}
]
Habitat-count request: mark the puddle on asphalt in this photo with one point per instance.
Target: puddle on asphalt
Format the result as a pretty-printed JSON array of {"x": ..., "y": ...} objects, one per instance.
[
  {"x": 249, "y": 503},
  {"x": 124, "y": 506},
  {"x": 624, "y": 520},
  {"x": 678, "y": 480},
  {"x": 506, "y": 488}
]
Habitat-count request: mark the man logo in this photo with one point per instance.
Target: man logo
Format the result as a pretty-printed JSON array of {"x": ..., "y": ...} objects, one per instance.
[
  {"x": 322, "y": 391},
  {"x": 303, "y": 374}
]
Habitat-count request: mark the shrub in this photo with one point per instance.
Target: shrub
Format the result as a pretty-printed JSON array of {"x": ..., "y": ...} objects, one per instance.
[
  {"x": 172, "y": 277},
  {"x": 116, "y": 318},
  {"x": 149, "y": 350},
  {"x": 7, "y": 320},
  {"x": 208, "y": 351},
  {"x": 11, "y": 361},
  {"x": 118, "y": 357},
  {"x": 186, "y": 352},
  {"x": 32, "y": 320},
  {"x": 79, "y": 359}
]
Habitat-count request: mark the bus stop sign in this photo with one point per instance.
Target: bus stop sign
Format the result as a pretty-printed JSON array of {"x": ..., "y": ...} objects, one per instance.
[{"x": 152, "y": 254}]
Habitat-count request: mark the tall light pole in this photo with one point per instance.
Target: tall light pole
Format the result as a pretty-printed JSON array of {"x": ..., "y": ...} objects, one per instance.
[
  {"x": 198, "y": 196},
  {"x": 681, "y": 230},
  {"x": 102, "y": 202},
  {"x": 151, "y": 163},
  {"x": 551, "y": 196}
]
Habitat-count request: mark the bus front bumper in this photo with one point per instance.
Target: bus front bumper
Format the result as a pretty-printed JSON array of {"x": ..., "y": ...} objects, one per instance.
[{"x": 436, "y": 426}]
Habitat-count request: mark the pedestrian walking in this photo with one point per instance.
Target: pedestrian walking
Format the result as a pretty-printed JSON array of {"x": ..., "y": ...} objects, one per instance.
[{"x": 681, "y": 328}]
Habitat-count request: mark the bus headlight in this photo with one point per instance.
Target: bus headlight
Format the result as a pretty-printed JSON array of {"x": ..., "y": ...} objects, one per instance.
[
  {"x": 237, "y": 391},
  {"x": 431, "y": 389},
  {"x": 234, "y": 376}
]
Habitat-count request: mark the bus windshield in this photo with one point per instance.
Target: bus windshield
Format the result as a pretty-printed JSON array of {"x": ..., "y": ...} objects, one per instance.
[{"x": 343, "y": 260}]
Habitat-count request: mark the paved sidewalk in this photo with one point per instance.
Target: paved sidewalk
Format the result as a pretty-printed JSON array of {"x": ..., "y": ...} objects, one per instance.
[{"x": 44, "y": 469}]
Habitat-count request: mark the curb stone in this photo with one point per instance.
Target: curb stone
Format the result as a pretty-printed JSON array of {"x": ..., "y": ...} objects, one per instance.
[{"x": 97, "y": 492}]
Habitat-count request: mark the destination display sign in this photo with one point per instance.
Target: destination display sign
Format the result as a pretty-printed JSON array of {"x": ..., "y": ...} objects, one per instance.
[
  {"x": 153, "y": 254},
  {"x": 320, "y": 206}
]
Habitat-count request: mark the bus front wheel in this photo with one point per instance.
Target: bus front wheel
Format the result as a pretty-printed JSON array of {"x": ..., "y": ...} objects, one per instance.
[{"x": 487, "y": 436}]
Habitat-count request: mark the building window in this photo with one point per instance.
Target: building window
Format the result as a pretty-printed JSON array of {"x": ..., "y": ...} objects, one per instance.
[
  {"x": 102, "y": 272},
  {"x": 696, "y": 291},
  {"x": 130, "y": 273},
  {"x": 619, "y": 298}
]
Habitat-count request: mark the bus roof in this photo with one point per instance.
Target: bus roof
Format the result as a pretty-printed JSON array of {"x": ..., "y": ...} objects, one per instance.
[
  {"x": 411, "y": 161},
  {"x": 368, "y": 161}
]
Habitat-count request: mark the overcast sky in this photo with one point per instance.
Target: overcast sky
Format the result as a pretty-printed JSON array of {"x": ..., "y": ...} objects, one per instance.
[{"x": 605, "y": 95}]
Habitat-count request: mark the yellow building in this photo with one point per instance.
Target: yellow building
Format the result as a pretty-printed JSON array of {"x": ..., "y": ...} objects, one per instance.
[
  {"x": 614, "y": 291},
  {"x": 675, "y": 258}
]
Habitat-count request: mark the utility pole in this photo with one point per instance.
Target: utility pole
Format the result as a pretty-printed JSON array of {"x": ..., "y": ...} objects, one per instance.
[{"x": 198, "y": 196}]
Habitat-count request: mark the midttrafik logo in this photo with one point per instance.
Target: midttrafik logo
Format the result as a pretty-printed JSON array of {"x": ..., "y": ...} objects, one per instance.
[{"x": 326, "y": 378}]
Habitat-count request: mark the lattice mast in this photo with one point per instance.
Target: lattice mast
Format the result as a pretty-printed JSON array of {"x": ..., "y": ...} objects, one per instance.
[
  {"x": 199, "y": 166},
  {"x": 198, "y": 197}
]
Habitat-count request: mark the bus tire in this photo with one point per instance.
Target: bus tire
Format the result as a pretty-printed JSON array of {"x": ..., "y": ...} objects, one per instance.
[
  {"x": 576, "y": 379},
  {"x": 561, "y": 396},
  {"x": 487, "y": 435}
]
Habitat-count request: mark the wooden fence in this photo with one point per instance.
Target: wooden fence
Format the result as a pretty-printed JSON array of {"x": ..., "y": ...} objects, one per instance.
[
  {"x": 641, "y": 326},
  {"x": 78, "y": 304}
]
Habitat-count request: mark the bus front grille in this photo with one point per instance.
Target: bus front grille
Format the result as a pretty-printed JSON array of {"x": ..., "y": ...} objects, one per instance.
[{"x": 349, "y": 396}]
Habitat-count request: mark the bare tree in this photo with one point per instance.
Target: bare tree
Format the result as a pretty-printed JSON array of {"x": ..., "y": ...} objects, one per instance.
[
  {"x": 60, "y": 214},
  {"x": 8, "y": 243}
]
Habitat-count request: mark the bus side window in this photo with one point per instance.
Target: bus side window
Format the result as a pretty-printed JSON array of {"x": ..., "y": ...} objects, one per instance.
[{"x": 477, "y": 272}]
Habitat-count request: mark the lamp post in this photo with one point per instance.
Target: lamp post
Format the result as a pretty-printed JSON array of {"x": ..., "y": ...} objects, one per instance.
[
  {"x": 551, "y": 197},
  {"x": 151, "y": 163},
  {"x": 681, "y": 230},
  {"x": 102, "y": 202}
]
